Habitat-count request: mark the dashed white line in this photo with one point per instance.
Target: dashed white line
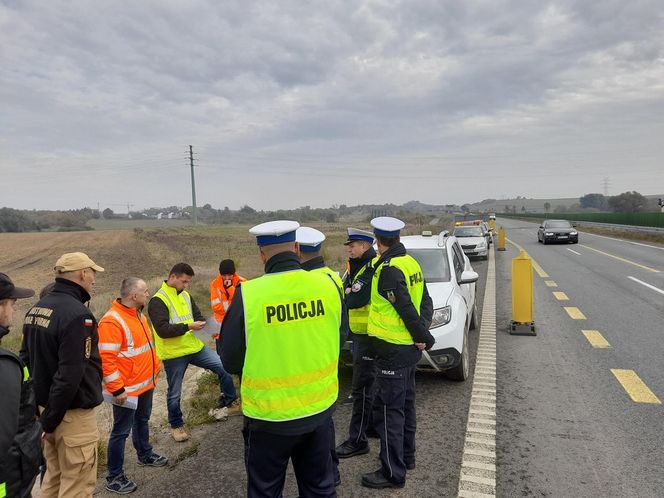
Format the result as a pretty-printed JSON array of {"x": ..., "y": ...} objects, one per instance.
[
  {"x": 656, "y": 289},
  {"x": 571, "y": 250},
  {"x": 478, "y": 465}
]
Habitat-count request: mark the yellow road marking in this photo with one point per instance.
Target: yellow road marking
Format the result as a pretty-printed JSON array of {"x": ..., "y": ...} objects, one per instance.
[
  {"x": 621, "y": 259},
  {"x": 574, "y": 313},
  {"x": 540, "y": 271},
  {"x": 635, "y": 387},
  {"x": 561, "y": 296},
  {"x": 550, "y": 283},
  {"x": 596, "y": 339}
]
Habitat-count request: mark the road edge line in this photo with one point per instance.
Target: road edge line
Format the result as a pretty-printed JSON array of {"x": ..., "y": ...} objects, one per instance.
[{"x": 480, "y": 480}]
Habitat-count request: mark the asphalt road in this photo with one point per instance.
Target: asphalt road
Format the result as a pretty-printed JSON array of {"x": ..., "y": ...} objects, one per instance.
[
  {"x": 566, "y": 426},
  {"x": 217, "y": 467}
]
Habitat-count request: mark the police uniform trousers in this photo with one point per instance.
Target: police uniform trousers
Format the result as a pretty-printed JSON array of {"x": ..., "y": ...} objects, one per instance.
[
  {"x": 362, "y": 388},
  {"x": 266, "y": 457},
  {"x": 71, "y": 462},
  {"x": 395, "y": 419}
]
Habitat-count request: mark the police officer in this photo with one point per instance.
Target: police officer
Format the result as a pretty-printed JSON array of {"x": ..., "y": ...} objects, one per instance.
[
  {"x": 357, "y": 289},
  {"x": 282, "y": 332},
  {"x": 311, "y": 241},
  {"x": 61, "y": 341},
  {"x": 20, "y": 432},
  {"x": 399, "y": 319}
]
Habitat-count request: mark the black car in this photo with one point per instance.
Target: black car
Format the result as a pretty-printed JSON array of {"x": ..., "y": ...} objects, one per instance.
[{"x": 557, "y": 231}]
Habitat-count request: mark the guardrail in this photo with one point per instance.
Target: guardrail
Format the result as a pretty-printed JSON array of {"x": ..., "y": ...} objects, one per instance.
[{"x": 624, "y": 220}]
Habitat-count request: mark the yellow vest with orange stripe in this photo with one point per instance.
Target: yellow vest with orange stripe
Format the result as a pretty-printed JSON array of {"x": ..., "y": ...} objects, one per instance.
[{"x": 292, "y": 322}]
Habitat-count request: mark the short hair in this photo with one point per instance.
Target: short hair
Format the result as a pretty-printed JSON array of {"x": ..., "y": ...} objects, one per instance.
[
  {"x": 181, "y": 268},
  {"x": 128, "y": 285},
  {"x": 387, "y": 241}
]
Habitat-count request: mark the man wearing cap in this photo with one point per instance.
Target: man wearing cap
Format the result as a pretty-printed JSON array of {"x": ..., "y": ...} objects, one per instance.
[
  {"x": 399, "y": 317},
  {"x": 357, "y": 289},
  {"x": 282, "y": 331},
  {"x": 61, "y": 343},
  {"x": 175, "y": 316},
  {"x": 222, "y": 290},
  {"x": 20, "y": 431},
  {"x": 311, "y": 241}
]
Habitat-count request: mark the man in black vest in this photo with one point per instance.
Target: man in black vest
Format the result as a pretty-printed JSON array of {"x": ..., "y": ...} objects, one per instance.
[{"x": 20, "y": 431}]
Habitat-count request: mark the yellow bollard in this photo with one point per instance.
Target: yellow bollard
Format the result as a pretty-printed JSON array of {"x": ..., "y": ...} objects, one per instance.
[
  {"x": 522, "y": 295},
  {"x": 501, "y": 239}
]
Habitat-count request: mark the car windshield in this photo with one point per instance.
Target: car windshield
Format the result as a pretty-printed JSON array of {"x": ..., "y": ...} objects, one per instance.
[
  {"x": 473, "y": 231},
  {"x": 558, "y": 224},
  {"x": 433, "y": 262}
]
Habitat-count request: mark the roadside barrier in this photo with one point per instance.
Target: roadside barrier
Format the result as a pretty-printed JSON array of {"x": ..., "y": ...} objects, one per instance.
[{"x": 522, "y": 296}]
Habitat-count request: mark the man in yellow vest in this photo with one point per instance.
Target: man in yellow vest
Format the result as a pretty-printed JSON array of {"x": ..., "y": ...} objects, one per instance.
[
  {"x": 399, "y": 319},
  {"x": 175, "y": 317},
  {"x": 357, "y": 289},
  {"x": 282, "y": 331}
]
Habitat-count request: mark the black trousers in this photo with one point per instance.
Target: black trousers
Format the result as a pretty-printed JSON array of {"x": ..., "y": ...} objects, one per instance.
[
  {"x": 364, "y": 375},
  {"x": 395, "y": 419},
  {"x": 266, "y": 458}
]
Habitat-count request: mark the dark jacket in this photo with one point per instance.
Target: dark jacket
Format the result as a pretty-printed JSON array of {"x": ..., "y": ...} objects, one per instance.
[
  {"x": 60, "y": 348},
  {"x": 417, "y": 322},
  {"x": 234, "y": 347},
  {"x": 360, "y": 294},
  {"x": 20, "y": 431},
  {"x": 159, "y": 316}
]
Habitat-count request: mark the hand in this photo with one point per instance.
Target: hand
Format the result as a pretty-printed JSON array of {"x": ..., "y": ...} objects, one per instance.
[
  {"x": 120, "y": 399},
  {"x": 196, "y": 325},
  {"x": 420, "y": 345},
  {"x": 48, "y": 436}
]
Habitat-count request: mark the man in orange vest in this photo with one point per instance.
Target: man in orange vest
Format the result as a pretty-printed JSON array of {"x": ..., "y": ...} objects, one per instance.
[
  {"x": 131, "y": 366},
  {"x": 222, "y": 290}
]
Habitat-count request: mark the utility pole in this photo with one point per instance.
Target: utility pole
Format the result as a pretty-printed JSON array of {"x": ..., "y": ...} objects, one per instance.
[
  {"x": 193, "y": 184},
  {"x": 607, "y": 184}
]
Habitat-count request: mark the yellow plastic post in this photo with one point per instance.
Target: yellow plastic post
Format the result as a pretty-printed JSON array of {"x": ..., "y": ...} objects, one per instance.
[
  {"x": 501, "y": 239},
  {"x": 522, "y": 295}
]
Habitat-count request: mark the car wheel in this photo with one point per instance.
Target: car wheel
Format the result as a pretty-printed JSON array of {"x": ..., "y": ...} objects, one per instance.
[
  {"x": 544, "y": 241},
  {"x": 473, "y": 318},
  {"x": 462, "y": 370}
]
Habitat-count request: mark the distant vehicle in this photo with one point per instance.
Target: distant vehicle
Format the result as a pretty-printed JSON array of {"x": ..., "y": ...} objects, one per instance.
[
  {"x": 557, "y": 231},
  {"x": 451, "y": 284},
  {"x": 492, "y": 216},
  {"x": 472, "y": 240}
]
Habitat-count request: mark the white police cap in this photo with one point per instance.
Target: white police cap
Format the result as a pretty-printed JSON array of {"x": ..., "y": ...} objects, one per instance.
[
  {"x": 386, "y": 226},
  {"x": 357, "y": 234},
  {"x": 309, "y": 239},
  {"x": 275, "y": 232}
]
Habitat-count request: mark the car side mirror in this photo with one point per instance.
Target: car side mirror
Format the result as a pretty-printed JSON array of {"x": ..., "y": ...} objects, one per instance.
[{"x": 468, "y": 277}]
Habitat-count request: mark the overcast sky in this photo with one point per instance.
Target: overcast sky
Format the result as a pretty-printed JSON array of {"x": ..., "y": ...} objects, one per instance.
[{"x": 295, "y": 103}]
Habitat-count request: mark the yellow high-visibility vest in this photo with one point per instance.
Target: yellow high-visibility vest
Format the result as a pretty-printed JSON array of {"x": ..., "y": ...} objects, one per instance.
[
  {"x": 292, "y": 322},
  {"x": 179, "y": 311},
  {"x": 359, "y": 317},
  {"x": 333, "y": 275},
  {"x": 384, "y": 321}
]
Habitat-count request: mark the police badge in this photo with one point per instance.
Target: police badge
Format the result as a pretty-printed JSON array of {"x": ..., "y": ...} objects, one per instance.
[
  {"x": 391, "y": 297},
  {"x": 88, "y": 347},
  {"x": 357, "y": 286}
]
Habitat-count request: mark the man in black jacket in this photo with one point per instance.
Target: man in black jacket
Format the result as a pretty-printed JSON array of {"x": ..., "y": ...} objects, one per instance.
[
  {"x": 20, "y": 432},
  {"x": 399, "y": 318},
  {"x": 60, "y": 347}
]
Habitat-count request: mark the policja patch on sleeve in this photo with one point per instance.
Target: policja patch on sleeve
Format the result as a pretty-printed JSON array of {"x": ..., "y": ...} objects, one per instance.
[{"x": 88, "y": 347}]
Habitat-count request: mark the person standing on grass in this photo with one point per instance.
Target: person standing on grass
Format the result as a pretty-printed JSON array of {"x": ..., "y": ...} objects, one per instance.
[
  {"x": 60, "y": 344},
  {"x": 175, "y": 317},
  {"x": 131, "y": 367},
  {"x": 222, "y": 290}
]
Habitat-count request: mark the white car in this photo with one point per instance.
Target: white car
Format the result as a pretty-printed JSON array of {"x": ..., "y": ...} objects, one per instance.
[
  {"x": 450, "y": 281},
  {"x": 472, "y": 240}
]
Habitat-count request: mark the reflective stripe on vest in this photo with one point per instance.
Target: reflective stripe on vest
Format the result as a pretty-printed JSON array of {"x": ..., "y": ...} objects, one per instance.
[
  {"x": 358, "y": 317},
  {"x": 292, "y": 322},
  {"x": 131, "y": 351},
  {"x": 140, "y": 385},
  {"x": 179, "y": 311},
  {"x": 384, "y": 322}
]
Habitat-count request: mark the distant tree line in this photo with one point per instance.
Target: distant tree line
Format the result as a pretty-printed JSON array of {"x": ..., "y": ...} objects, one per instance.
[{"x": 14, "y": 220}]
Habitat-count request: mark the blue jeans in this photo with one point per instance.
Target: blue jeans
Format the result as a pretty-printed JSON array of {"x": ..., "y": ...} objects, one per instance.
[
  {"x": 175, "y": 369},
  {"x": 126, "y": 420}
]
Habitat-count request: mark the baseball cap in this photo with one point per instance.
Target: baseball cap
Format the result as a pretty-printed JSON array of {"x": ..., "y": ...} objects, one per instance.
[
  {"x": 9, "y": 291},
  {"x": 73, "y": 261}
]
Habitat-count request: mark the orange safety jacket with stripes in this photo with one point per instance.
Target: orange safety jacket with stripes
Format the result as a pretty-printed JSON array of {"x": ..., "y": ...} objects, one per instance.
[
  {"x": 128, "y": 356},
  {"x": 221, "y": 297}
]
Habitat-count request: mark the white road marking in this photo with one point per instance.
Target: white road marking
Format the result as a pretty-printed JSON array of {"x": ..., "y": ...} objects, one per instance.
[
  {"x": 571, "y": 250},
  {"x": 478, "y": 465},
  {"x": 626, "y": 241},
  {"x": 656, "y": 289}
]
